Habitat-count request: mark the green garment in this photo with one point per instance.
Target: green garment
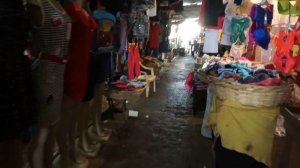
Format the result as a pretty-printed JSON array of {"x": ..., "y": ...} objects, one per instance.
[
  {"x": 283, "y": 7},
  {"x": 237, "y": 28}
]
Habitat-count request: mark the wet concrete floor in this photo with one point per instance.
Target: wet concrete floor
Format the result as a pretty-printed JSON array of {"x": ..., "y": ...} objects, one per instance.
[{"x": 166, "y": 134}]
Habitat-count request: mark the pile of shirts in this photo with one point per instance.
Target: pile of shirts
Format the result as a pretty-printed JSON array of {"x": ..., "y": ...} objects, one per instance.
[
  {"x": 243, "y": 71},
  {"x": 129, "y": 85}
]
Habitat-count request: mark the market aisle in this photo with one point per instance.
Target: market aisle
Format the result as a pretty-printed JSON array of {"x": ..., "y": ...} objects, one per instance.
[{"x": 170, "y": 137}]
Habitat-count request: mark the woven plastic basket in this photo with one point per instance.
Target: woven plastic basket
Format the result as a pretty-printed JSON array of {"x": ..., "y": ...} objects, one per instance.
[{"x": 249, "y": 95}]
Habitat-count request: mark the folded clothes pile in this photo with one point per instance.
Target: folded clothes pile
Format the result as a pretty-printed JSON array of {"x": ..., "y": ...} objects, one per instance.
[
  {"x": 243, "y": 71},
  {"x": 125, "y": 84}
]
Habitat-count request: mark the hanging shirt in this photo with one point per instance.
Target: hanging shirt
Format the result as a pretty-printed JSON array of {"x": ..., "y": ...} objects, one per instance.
[
  {"x": 154, "y": 36},
  {"x": 76, "y": 73},
  {"x": 211, "y": 41},
  {"x": 152, "y": 11},
  {"x": 285, "y": 8},
  {"x": 237, "y": 27},
  {"x": 210, "y": 11}
]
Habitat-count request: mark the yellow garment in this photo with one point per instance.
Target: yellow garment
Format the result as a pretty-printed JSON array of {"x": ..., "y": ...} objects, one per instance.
[{"x": 245, "y": 129}]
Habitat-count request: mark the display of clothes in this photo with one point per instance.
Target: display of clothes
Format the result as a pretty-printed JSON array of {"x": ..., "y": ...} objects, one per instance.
[
  {"x": 49, "y": 69},
  {"x": 77, "y": 68},
  {"x": 17, "y": 110}
]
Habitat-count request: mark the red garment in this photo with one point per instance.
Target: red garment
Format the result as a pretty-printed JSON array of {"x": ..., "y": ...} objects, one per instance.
[
  {"x": 220, "y": 22},
  {"x": 283, "y": 59},
  {"x": 77, "y": 68},
  {"x": 268, "y": 82},
  {"x": 134, "y": 68},
  {"x": 154, "y": 36}
]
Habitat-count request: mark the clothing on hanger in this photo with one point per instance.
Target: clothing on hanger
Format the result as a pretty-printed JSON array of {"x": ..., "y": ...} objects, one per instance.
[
  {"x": 237, "y": 27},
  {"x": 76, "y": 72},
  {"x": 211, "y": 41}
]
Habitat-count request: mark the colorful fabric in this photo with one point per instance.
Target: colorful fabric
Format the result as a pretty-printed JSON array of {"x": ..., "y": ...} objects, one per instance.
[
  {"x": 237, "y": 27},
  {"x": 261, "y": 19},
  {"x": 283, "y": 59},
  {"x": 262, "y": 38},
  {"x": 134, "y": 68}
]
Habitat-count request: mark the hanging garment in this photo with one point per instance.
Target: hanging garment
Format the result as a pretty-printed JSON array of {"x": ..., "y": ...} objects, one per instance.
[
  {"x": 155, "y": 31},
  {"x": 226, "y": 34},
  {"x": 230, "y": 8},
  {"x": 262, "y": 16},
  {"x": 261, "y": 19},
  {"x": 122, "y": 31},
  {"x": 17, "y": 108},
  {"x": 283, "y": 59},
  {"x": 262, "y": 38},
  {"x": 210, "y": 11},
  {"x": 49, "y": 71},
  {"x": 76, "y": 73},
  {"x": 140, "y": 26},
  {"x": 211, "y": 41},
  {"x": 237, "y": 28},
  {"x": 285, "y": 7},
  {"x": 152, "y": 11},
  {"x": 133, "y": 62}
]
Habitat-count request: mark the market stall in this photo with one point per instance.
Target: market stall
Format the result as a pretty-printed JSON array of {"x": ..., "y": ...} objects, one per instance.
[{"x": 251, "y": 80}]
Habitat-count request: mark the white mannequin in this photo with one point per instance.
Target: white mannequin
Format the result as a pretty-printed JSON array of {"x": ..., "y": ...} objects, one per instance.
[
  {"x": 97, "y": 131},
  {"x": 43, "y": 144}
]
